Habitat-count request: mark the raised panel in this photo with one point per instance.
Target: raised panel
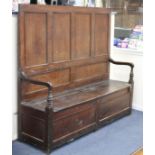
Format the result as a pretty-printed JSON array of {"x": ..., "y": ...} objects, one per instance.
[
  {"x": 82, "y": 36},
  {"x": 57, "y": 78},
  {"x": 101, "y": 34},
  {"x": 113, "y": 104},
  {"x": 61, "y": 37},
  {"x": 57, "y": 39},
  {"x": 35, "y": 39},
  {"x": 70, "y": 111},
  {"x": 32, "y": 126},
  {"x": 90, "y": 71},
  {"x": 71, "y": 124}
]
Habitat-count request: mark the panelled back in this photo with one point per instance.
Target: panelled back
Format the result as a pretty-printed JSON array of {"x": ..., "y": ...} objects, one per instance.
[{"x": 67, "y": 46}]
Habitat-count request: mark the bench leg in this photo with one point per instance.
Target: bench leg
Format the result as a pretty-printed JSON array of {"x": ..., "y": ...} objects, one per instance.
[{"x": 48, "y": 142}]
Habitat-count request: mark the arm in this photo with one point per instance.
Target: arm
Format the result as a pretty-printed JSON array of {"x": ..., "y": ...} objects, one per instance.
[
  {"x": 131, "y": 65},
  {"x": 24, "y": 77}
]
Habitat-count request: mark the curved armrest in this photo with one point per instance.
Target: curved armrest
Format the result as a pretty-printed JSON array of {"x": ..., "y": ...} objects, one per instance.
[
  {"x": 125, "y": 63},
  {"x": 121, "y": 63},
  {"x": 24, "y": 77}
]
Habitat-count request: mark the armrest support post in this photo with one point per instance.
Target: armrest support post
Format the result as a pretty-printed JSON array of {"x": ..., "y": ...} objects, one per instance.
[
  {"x": 131, "y": 65},
  {"x": 24, "y": 77},
  {"x": 131, "y": 76}
]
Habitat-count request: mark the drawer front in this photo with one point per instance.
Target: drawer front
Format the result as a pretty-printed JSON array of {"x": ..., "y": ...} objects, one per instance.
[
  {"x": 113, "y": 104},
  {"x": 72, "y": 123}
]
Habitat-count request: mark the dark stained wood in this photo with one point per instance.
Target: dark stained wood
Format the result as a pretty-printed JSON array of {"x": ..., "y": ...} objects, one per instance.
[
  {"x": 81, "y": 95},
  {"x": 61, "y": 43},
  {"x": 34, "y": 38},
  {"x": 73, "y": 122},
  {"x": 45, "y": 84},
  {"x": 56, "y": 54},
  {"x": 101, "y": 34},
  {"x": 33, "y": 126},
  {"x": 89, "y": 71},
  {"x": 131, "y": 81},
  {"x": 64, "y": 85},
  {"x": 131, "y": 65},
  {"x": 110, "y": 106},
  {"x": 82, "y": 37}
]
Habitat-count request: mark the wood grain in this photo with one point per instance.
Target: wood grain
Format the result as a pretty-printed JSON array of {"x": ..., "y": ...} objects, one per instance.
[
  {"x": 139, "y": 152},
  {"x": 35, "y": 45},
  {"x": 57, "y": 40},
  {"x": 65, "y": 90}
]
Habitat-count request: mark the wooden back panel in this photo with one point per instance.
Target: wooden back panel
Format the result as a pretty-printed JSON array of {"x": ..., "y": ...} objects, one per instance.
[{"x": 68, "y": 46}]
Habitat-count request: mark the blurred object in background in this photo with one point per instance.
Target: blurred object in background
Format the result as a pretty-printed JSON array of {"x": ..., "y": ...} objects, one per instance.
[
  {"x": 33, "y": 1},
  {"x": 136, "y": 38},
  {"x": 127, "y": 38}
]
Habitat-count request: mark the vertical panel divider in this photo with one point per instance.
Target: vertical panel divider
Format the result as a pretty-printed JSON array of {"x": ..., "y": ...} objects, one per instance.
[
  {"x": 109, "y": 39},
  {"x": 21, "y": 48},
  {"x": 50, "y": 37},
  {"x": 72, "y": 37},
  {"x": 92, "y": 35}
]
